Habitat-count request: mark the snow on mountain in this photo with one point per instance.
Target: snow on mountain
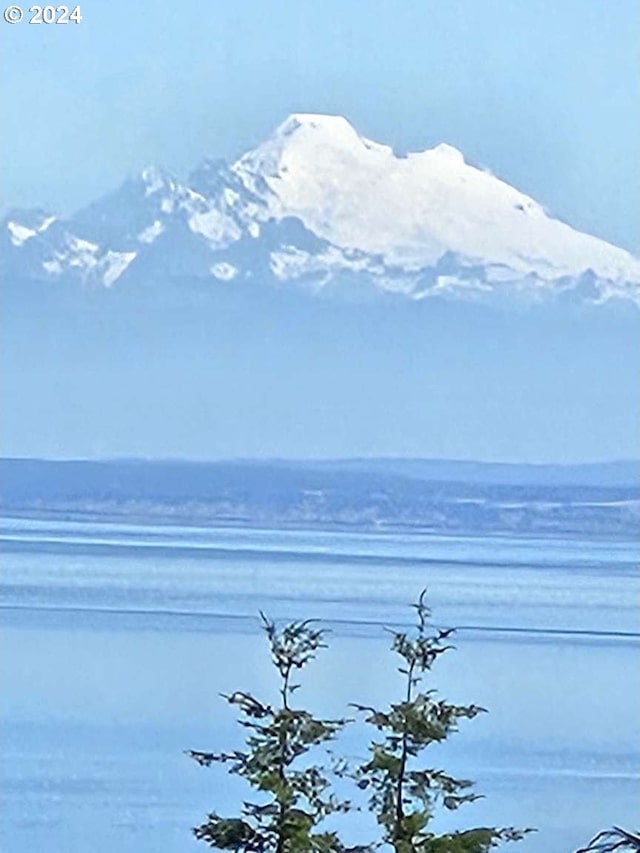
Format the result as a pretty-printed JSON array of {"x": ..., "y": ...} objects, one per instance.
[
  {"x": 413, "y": 210},
  {"x": 30, "y": 226},
  {"x": 315, "y": 203}
]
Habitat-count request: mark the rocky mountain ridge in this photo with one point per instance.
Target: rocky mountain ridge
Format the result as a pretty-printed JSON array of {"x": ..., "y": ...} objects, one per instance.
[{"x": 316, "y": 206}]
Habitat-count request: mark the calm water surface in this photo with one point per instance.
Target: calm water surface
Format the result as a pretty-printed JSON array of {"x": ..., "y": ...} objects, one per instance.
[{"x": 117, "y": 640}]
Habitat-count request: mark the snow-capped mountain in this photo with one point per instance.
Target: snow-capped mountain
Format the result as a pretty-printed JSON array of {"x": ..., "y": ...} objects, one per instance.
[{"x": 318, "y": 204}]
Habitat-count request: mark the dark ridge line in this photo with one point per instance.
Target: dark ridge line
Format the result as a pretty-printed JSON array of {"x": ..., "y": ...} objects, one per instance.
[
  {"x": 369, "y": 623},
  {"x": 216, "y": 553}
]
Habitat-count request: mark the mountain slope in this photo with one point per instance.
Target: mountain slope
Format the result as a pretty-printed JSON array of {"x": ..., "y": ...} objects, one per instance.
[{"x": 317, "y": 204}]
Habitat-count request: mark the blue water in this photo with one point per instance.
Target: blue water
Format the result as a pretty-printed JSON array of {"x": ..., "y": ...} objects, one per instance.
[{"x": 118, "y": 639}]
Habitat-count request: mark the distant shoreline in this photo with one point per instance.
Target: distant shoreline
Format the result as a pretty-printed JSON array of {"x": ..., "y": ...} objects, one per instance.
[
  {"x": 394, "y": 496},
  {"x": 380, "y": 529}
]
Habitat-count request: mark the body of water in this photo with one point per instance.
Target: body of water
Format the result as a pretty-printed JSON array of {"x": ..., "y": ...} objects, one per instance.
[{"x": 117, "y": 641}]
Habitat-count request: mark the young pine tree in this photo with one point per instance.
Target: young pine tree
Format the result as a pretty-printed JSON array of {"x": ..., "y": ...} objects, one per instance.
[
  {"x": 295, "y": 796},
  {"x": 404, "y": 794}
]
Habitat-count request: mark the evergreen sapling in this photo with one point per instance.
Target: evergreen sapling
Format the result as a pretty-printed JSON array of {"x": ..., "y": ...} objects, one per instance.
[
  {"x": 296, "y": 795},
  {"x": 404, "y": 794}
]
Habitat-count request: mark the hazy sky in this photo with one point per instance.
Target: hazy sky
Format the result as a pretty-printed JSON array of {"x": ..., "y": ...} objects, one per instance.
[{"x": 544, "y": 93}]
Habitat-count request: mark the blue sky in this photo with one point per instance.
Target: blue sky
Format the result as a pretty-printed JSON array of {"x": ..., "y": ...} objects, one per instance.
[{"x": 544, "y": 93}]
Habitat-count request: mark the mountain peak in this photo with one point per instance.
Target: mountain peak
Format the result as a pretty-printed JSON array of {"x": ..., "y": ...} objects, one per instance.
[
  {"x": 448, "y": 151},
  {"x": 156, "y": 178},
  {"x": 416, "y": 210},
  {"x": 305, "y": 131},
  {"x": 325, "y": 123},
  {"x": 424, "y": 224}
]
